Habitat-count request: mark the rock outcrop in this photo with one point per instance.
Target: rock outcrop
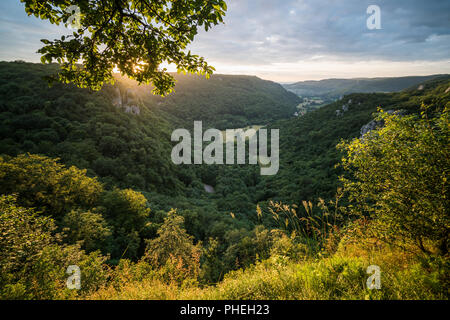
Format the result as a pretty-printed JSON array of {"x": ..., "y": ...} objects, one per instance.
[
  {"x": 344, "y": 108},
  {"x": 374, "y": 124},
  {"x": 127, "y": 100}
]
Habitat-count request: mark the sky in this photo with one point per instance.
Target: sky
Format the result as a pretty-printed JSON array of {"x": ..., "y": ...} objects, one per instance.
[{"x": 288, "y": 41}]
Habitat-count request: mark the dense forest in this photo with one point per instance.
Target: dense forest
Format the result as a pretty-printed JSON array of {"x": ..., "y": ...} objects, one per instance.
[
  {"x": 86, "y": 179},
  {"x": 226, "y": 101}
]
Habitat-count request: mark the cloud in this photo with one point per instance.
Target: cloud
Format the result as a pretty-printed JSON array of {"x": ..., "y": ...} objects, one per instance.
[
  {"x": 261, "y": 34},
  {"x": 307, "y": 28}
]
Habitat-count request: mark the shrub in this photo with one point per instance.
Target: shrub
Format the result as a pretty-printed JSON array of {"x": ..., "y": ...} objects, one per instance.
[{"x": 401, "y": 179}]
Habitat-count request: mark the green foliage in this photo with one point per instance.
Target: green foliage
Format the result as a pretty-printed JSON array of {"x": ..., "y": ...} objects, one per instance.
[
  {"x": 135, "y": 36},
  {"x": 212, "y": 264},
  {"x": 401, "y": 178},
  {"x": 245, "y": 248},
  {"x": 23, "y": 235},
  {"x": 84, "y": 129},
  {"x": 312, "y": 227},
  {"x": 32, "y": 260},
  {"x": 111, "y": 221},
  {"x": 44, "y": 183},
  {"x": 126, "y": 208},
  {"x": 226, "y": 101},
  {"x": 301, "y": 254},
  {"x": 174, "y": 251},
  {"x": 88, "y": 227},
  {"x": 336, "y": 278},
  {"x": 127, "y": 212},
  {"x": 92, "y": 130},
  {"x": 308, "y": 154},
  {"x": 278, "y": 278}
]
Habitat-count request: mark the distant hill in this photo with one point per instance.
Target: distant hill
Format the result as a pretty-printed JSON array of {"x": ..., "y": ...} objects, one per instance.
[
  {"x": 308, "y": 143},
  {"x": 334, "y": 88},
  {"x": 224, "y": 101}
]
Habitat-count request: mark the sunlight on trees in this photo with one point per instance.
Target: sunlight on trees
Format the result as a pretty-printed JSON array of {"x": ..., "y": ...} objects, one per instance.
[{"x": 134, "y": 37}]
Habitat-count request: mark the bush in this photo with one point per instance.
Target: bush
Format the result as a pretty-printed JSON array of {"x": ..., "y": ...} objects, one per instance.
[
  {"x": 33, "y": 263},
  {"x": 88, "y": 227},
  {"x": 401, "y": 179},
  {"x": 173, "y": 252},
  {"x": 43, "y": 183}
]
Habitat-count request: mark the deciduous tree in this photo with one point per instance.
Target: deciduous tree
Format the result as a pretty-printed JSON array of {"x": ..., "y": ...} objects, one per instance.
[{"x": 134, "y": 36}]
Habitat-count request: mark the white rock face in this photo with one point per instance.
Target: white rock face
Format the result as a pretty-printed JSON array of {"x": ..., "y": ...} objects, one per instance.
[
  {"x": 370, "y": 126},
  {"x": 374, "y": 124},
  {"x": 126, "y": 101}
]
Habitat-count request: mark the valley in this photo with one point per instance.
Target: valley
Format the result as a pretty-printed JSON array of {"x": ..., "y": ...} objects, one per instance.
[{"x": 113, "y": 149}]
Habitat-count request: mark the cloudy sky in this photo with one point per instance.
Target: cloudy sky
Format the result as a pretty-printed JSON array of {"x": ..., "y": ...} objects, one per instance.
[{"x": 292, "y": 40}]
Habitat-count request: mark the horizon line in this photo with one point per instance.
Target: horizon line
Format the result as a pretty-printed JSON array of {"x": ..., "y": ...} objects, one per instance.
[{"x": 254, "y": 75}]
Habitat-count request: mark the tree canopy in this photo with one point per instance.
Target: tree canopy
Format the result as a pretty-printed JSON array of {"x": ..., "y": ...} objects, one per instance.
[
  {"x": 136, "y": 37},
  {"x": 127, "y": 244},
  {"x": 401, "y": 179}
]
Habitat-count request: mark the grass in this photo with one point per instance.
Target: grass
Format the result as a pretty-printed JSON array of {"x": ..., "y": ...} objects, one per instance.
[{"x": 341, "y": 276}]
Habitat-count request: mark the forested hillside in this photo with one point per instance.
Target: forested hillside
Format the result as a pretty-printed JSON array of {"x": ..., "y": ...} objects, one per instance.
[
  {"x": 140, "y": 227},
  {"x": 122, "y": 134},
  {"x": 84, "y": 129},
  {"x": 308, "y": 143},
  {"x": 224, "y": 101}
]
